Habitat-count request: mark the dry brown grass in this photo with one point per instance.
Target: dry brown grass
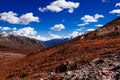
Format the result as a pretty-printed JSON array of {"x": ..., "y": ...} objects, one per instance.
[{"x": 79, "y": 50}]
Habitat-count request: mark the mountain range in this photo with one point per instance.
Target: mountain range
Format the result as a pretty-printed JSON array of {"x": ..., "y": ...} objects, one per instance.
[
  {"x": 53, "y": 42},
  {"x": 90, "y": 56}
]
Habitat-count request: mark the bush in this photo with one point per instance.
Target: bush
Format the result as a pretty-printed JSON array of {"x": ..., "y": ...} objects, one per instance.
[{"x": 23, "y": 75}]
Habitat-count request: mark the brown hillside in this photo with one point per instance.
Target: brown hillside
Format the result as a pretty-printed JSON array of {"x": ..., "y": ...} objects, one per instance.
[
  {"x": 104, "y": 41},
  {"x": 13, "y": 48},
  {"x": 19, "y": 44}
]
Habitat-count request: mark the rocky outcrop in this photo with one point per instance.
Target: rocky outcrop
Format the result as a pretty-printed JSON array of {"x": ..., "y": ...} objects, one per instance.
[{"x": 107, "y": 68}]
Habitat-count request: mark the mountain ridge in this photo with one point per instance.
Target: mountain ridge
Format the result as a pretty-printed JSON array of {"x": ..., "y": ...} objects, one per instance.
[
  {"x": 13, "y": 48},
  {"x": 53, "y": 42},
  {"x": 72, "y": 55},
  {"x": 16, "y": 43}
]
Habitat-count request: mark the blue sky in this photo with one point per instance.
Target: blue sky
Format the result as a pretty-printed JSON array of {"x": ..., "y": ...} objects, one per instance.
[{"x": 49, "y": 19}]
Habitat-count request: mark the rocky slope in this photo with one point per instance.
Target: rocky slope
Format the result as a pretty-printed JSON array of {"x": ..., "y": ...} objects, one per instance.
[
  {"x": 101, "y": 68},
  {"x": 73, "y": 59}
]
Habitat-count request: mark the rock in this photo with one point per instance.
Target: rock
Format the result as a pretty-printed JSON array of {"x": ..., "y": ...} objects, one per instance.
[
  {"x": 61, "y": 68},
  {"x": 98, "y": 61},
  {"x": 116, "y": 68}
]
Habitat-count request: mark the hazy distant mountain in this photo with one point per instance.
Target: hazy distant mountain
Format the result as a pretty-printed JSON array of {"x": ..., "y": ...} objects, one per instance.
[
  {"x": 53, "y": 42},
  {"x": 55, "y": 63}
]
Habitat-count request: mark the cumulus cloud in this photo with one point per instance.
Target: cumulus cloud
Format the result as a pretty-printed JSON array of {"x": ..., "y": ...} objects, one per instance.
[
  {"x": 115, "y": 11},
  {"x": 75, "y": 34},
  {"x": 99, "y": 25},
  {"x": 60, "y": 5},
  {"x": 83, "y": 24},
  {"x": 97, "y": 16},
  {"x": 14, "y": 29},
  {"x": 58, "y": 27},
  {"x": 70, "y": 35},
  {"x": 28, "y": 32},
  {"x": 91, "y": 29},
  {"x": 13, "y": 18},
  {"x": 90, "y": 19},
  {"x": 41, "y": 38},
  {"x": 87, "y": 19},
  {"x": 27, "y": 18},
  {"x": 5, "y": 28},
  {"x": 54, "y": 36},
  {"x": 10, "y": 17},
  {"x": 117, "y": 5}
]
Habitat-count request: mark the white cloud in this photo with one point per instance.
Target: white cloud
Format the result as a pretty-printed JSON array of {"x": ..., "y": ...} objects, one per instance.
[
  {"x": 0, "y": 27},
  {"x": 58, "y": 27},
  {"x": 117, "y": 5},
  {"x": 71, "y": 35},
  {"x": 99, "y": 25},
  {"x": 75, "y": 34},
  {"x": 41, "y": 38},
  {"x": 13, "y": 18},
  {"x": 97, "y": 16},
  {"x": 42, "y": 9},
  {"x": 27, "y": 18},
  {"x": 84, "y": 24},
  {"x": 115, "y": 11},
  {"x": 5, "y": 28},
  {"x": 9, "y": 17},
  {"x": 91, "y": 29},
  {"x": 54, "y": 36},
  {"x": 60, "y": 5},
  {"x": 14, "y": 29},
  {"x": 90, "y": 19},
  {"x": 28, "y": 32}
]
